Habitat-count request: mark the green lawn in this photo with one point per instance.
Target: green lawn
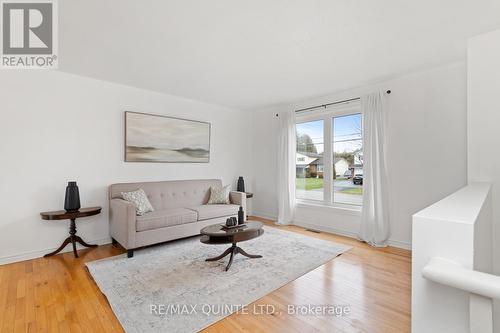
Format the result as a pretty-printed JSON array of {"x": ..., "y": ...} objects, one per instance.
[
  {"x": 352, "y": 190},
  {"x": 317, "y": 183},
  {"x": 308, "y": 183}
]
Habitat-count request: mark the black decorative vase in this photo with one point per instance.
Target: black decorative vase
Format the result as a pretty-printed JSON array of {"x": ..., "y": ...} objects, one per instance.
[
  {"x": 241, "y": 216},
  {"x": 241, "y": 185},
  {"x": 72, "y": 200}
]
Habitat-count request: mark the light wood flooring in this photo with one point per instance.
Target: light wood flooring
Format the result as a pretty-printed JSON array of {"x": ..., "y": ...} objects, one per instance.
[{"x": 58, "y": 294}]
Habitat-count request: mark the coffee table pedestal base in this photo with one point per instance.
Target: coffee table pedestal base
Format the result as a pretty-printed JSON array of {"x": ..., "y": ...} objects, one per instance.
[{"x": 233, "y": 250}]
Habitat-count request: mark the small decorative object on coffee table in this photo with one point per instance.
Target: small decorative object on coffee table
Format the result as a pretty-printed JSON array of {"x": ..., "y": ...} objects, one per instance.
[
  {"x": 73, "y": 215},
  {"x": 231, "y": 222},
  {"x": 218, "y": 234},
  {"x": 241, "y": 216}
]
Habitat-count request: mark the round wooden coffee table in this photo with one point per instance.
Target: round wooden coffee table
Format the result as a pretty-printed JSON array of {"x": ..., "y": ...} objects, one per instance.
[{"x": 216, "y": 234}]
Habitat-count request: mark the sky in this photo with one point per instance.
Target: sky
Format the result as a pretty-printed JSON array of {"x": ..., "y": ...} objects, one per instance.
[{"x": 346, "y": 129}]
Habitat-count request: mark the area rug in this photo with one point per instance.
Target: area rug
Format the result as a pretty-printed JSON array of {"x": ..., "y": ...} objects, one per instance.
[{"x": 171, "y": 288}]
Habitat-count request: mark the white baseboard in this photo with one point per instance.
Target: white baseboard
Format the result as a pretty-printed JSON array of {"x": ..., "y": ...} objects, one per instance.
[
  {"x": 323, "y": 228},
  {"x": 346, "y": 233},
  {"x": 40, "y": 253},
  {"x": 264, "y": 215},
  {"x": 399, "y": 244}
]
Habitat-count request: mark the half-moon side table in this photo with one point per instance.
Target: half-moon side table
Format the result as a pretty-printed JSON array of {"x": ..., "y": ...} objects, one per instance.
[{"x": 73, "y": 238}]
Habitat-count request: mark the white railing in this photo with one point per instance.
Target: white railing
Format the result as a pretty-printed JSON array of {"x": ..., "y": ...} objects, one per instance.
[
  {"x": 483, "y": 288},
  {"x": 452, "y": 290},
  {"x": 451, "y": 273}
]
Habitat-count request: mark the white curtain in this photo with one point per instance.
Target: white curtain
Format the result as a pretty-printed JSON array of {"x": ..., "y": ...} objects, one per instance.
[
  {"x": 286, "y": 167},
  {"x": 375, "y": 228}
]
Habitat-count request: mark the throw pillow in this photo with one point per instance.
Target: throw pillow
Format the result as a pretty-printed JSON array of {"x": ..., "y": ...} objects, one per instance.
[
  {"x": 140, "y": 200},
  {"x": 219, "y": 195}
]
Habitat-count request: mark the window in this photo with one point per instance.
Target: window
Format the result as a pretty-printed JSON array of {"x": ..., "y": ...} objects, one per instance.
[
  {"x": 348, "y": 159},
  {"x": 329, "y": 157},
  {"x": 309, "y": 160}
]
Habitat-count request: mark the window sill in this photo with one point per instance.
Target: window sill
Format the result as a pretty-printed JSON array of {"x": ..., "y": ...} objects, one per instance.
[{"x": 335, "y": 208}]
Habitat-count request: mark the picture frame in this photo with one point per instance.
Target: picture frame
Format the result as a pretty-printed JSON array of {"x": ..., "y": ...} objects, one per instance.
[{"x": 154, "y": 138}]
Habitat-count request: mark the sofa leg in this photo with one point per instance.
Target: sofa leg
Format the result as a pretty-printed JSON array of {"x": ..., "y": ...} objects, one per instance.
[
  {"x": 130, "y": 253},
  {"x": 113, "y": 241}
]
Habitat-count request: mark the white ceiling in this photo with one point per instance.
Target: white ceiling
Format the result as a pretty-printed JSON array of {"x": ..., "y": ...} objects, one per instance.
[{"x": 250, "y": 54}]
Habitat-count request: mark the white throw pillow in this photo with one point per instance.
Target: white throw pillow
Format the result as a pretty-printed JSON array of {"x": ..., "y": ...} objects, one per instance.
[
  {"x": 219, "y": 195},
  {"x": 140, "y": 200}
]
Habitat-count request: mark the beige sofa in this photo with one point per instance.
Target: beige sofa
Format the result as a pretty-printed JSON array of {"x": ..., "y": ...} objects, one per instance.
[{"x": 180, "y": 210}]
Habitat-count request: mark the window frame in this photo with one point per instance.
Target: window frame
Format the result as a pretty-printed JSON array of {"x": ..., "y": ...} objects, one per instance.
[
  {"x": 327, "y": 114},
  {"x": 321, "y": 202}
]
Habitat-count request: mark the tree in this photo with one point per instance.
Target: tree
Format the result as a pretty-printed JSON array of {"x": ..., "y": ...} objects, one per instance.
[
  {"x": 349, "y": 157},
  {"x": 305, "y": 144}
]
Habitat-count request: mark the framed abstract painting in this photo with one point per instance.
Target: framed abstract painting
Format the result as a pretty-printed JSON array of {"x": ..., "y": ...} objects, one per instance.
[{"x": 155, "y": 138}]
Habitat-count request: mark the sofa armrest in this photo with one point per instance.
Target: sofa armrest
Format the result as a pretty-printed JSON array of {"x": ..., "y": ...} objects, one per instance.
[
  {"x": 122, "y": 222},
  {"x": 239, "y": 198}
]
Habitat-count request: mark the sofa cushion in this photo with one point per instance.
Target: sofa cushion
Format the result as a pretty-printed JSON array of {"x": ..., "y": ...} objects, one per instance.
[
  {"x": 219, "y": 195},
  {"x": 165, "y": 218},
  {"x": 206, "y": 212},
  {"x": 140, "y": 200}
]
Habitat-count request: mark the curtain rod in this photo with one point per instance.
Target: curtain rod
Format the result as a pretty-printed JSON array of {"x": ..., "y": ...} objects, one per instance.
[{"x": 328, "y": 104}]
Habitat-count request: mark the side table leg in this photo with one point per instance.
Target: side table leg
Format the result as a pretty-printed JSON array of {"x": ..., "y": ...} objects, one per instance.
[
  {"x": 72, "y": 232},
  {"x": 63, "y": 245},
  {"x": 81, "y": 241},
  {"x": 73, "y": 241}
]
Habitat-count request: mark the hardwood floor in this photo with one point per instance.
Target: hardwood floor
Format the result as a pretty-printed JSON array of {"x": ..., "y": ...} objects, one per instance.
[{"x": 57, "y": 294}]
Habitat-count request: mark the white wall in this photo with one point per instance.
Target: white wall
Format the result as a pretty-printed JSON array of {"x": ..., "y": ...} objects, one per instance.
[
  {"x": 426, "y": 152},
  {"x": 451, "y": 229},
  {"x": 57, "y": 127},
  {"x": 484, "y": 126}
]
